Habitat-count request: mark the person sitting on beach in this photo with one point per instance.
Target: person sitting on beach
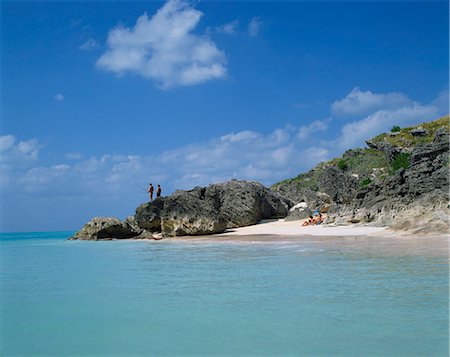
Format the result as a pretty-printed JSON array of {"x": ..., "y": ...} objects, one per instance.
[
  {"x": 308, "y": 221},
  {"x": 319, "y": 219}
]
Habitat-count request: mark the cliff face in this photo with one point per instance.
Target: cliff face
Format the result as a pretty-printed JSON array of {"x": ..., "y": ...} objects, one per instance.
[{"x": 400, "y": 180}]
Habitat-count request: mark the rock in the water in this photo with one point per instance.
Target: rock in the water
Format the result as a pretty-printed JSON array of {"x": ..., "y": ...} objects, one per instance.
[
  {"x": 106, "y": 228},
  {"x": 148, "y": 215}
]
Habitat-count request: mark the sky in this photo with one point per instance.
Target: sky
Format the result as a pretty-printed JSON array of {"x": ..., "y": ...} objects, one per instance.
[{"x": 100, "y": 98}]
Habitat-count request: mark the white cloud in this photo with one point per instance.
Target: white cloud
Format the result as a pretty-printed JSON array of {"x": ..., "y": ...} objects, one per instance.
[
  {"x": 357, "y": 132},
  {"x": 18, "y": 153},
  {"x": 241, "y": 136},
  {"x": 254, "y": 26},
  {"x": 90, "y": 44},
  {"x": 6, "y": 142},
  {"x": 165, "y": 49},
  {"x": 407, "y": 113},
  {"x": 38, "y": 176},
  {"x": 59, "y": 97},
  {"x": 359, "y": 102},
  {"x": 316, "y": 126},
  {"x": 229, "y": 28},
  {"x": 15, "y": 157},
  {"x": 74, "y": 156}
]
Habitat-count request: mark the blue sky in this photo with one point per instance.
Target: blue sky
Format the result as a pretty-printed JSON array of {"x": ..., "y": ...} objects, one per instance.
[{"x": 100, "y": 98}]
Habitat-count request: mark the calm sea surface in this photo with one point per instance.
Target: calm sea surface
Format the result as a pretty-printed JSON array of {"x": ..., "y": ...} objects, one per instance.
[{"x": 299, "y": 297}]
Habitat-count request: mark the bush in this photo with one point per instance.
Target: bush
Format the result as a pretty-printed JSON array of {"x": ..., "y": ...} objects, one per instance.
[
  {"x": 366, "y": 182},
  {"x": 342, "y": 164},
  {"x": 401, "y": 161},
  {"x": 395, "y": 128}
]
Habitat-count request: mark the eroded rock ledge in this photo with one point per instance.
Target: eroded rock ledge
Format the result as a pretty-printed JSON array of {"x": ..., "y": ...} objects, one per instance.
[{"x": 203, "y": 210}]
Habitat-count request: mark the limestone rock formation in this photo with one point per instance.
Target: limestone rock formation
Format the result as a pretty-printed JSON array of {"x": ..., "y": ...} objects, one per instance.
[
  {"x": 299, "y": 211},
  {"x": 408, "y": 189},
  {"x": 148, "y": 215},
  {"x": 190, "y": 213},
  {"x": 206, "y": 210},
  {"x": 104, "y": 228},
  {"x": 243, "y": 203},
  {"x": 338, "y": 185}
]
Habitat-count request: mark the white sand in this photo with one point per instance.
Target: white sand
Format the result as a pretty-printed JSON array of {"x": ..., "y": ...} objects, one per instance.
[
  {"x": 371, "y": 240},
  {"x": 295, "y": 228}
]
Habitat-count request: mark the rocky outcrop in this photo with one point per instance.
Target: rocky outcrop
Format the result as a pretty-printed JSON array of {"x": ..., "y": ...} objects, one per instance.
[
  {"x": 415, "y": 198},
  {"x": 203, "y": 210},
  {"x": 212, "y": 209},
  {"x": 148, "y": 215},
  {"x": 401, "y": 180},
  {"x": 315, "y": 200},
  {"x": 419, "y": 131},
  {"x": 299, "y": 211},
  {"x": 242, "y": 203},
  {"x": 190, "y": 213},
  {"x": 106, "y": 228},
  {"x": 339, "y": 186}
]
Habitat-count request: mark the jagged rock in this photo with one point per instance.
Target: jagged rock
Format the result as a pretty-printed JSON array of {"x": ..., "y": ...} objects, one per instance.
[
  {"x": 338, "y": 185},
  {"x": 242, "y": 203},
  {"x": 190, "y": 213},
  {"x": 391, "y": 151},
  {"x": 148, "y": 215},
  {"x": 414, "y": 198},
  {"x": 206, "y": 210},
  {"x": 294, "y": 193},
  {"x": 419, "y": 131},
  {"x": 132, "y": 223},
  {"x": 297, "y": 212},
  {"x": 106, "y": 228}
]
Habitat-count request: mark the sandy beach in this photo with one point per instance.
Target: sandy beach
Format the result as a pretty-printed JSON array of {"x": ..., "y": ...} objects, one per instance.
[
  {"x": 294, "y": 228},
  {"x": 369, "y": 240}
]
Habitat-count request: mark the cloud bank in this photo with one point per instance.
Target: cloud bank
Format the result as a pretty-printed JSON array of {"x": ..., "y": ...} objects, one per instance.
[{"x": 165, "y": 49}]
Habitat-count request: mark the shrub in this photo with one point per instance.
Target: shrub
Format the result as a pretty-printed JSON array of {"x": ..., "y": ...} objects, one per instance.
[
  {"x": 366, "y": 182},
  {"x": 342, "y": 164},
  {"x": 395, "y": 128},
  {"x": 401, "y": 161}
]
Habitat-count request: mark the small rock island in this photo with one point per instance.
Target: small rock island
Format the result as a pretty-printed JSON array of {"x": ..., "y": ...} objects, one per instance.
[{"x": 399, "y": 180}]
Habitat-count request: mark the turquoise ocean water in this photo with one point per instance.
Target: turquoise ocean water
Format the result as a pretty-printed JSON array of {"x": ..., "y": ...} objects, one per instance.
[{"x": 299, "y": 297}]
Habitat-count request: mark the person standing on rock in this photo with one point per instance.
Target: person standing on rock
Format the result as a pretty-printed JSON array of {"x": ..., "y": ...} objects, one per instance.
[
  {"x": 150, "y": 191},
  {"x": 158, "y": 191}
]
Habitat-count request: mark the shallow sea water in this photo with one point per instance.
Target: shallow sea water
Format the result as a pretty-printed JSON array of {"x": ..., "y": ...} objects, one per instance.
[{"x": 243, "y": 297}]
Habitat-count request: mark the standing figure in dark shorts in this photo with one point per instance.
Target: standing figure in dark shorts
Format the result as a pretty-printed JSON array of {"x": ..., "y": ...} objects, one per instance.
[
  {"x": 150, "y": 191},
  {"x": 158, "y": 191}
]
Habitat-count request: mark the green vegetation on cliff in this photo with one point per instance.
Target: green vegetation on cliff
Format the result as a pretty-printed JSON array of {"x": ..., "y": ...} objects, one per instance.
[
  {"x": 386, "y": 154},
  {"x": 403, "y": 137}
]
